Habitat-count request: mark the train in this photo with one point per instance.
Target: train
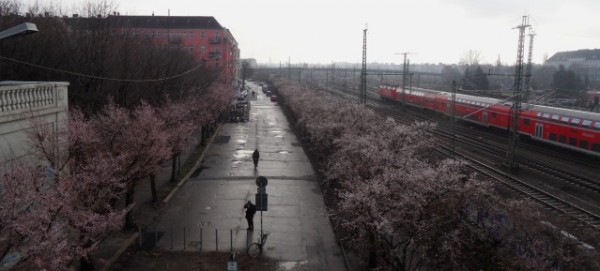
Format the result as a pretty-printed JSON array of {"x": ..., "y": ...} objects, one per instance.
[{"x": 567, "y": 128}]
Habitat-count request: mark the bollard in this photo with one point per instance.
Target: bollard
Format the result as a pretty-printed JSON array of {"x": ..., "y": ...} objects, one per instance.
[
  {"x": 231, "y": 240},
  {"x": 217, "y": 239},
  {"x": 183, "y": 238},
  {"x": 200, "y": 238},
  {"x": 155, "y": 236},
  {"x": 171, "y": 236}
]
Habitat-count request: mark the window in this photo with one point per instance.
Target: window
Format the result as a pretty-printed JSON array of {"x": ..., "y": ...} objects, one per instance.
[
  {"x": 573, "y": 141},
  {"x": 526, "y": 122},
  {"x": 538, "y": 115},
  {"x": 202, "y": 35},
  {"x": 191, "y": 35},
  {"x": 597, "y": 125},
  {"x": 586, "y": 123},
  {"x": 575, "y": 121},
  {"x": 552, "y": 136},
  {"x": 546, "y": 115},
  {"x": 562, "y": 139},
  {"x": 555, "y": 118},
  {"x": 583, "y": 144},
  {"x": 202, "y": 48},
  {"x": 564, "y": 119},
  {"x": 493, "y": 114}
]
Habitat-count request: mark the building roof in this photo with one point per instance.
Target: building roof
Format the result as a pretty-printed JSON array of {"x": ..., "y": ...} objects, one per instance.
[
  {"x": 579, "y": 54},
  {"x": 165, "y": 22}
]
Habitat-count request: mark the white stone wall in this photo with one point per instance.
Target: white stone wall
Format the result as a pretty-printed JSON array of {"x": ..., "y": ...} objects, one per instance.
[{"x": 18, "y": 100}]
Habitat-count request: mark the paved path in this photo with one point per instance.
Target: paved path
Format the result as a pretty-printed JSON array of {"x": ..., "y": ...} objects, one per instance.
[{"x": 210, "y": 205}]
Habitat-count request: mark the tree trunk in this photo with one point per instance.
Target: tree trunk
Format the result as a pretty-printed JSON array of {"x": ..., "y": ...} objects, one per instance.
[
  {"x": 128, "y": 202},
  {"x": 153, "y": 188},
  {"x": 174, "y": 166},
  {"x": 372, "y": 262},
  {"x": 203, "y": 135}
]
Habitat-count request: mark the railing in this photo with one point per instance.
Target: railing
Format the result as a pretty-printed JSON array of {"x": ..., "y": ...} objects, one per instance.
[
  {"x": 18, "y": 97},
  {"x": 20, "y": 100}
]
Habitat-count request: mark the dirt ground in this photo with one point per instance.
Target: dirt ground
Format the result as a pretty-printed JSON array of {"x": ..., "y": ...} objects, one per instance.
[{"x": 206, "y": 261}]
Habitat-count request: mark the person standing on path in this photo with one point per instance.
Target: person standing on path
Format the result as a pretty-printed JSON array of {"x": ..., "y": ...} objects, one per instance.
[
  {"x": 255, "y": 156},
  {"x": 250, "y": 211}
]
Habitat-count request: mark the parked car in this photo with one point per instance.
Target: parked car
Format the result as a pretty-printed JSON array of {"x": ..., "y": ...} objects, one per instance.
[{"x": 273, "y": 98}]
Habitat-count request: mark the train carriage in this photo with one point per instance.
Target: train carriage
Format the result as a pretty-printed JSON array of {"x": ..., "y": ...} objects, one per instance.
[{"x": 572, "y": 129}]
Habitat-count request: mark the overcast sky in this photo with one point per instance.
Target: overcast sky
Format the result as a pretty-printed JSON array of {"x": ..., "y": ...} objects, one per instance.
[{"x": 434, "y": 31}]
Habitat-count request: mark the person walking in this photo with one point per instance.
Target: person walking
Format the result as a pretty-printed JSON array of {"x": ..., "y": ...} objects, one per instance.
[
  {"x": 250, "y": 211},
  {"x": 255, "y": 156}
]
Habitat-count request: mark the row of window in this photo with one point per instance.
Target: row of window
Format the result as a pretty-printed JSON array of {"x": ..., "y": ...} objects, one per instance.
[
  {"x": 187, "y": 47},
  {"x": 573, "y": 121},
  {"x": 184, "y": 35},
  {"x": 573, "y": 142}
]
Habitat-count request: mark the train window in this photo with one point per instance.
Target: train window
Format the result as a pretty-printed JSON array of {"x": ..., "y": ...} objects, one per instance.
[
  {"x": 562, "y": 139},
  {"x": 538, "y": 115},
  {"x": 555, "y": 117},
  {"x": 583, "y": 144},
  {"x": 597, "y": 125},
  {"x": 546, "y": 115},
  {"x": 575, "y": 121},
  {"x": 596, "y": 147},
  {"x": 573, "y": 141},
  {"x": 493, "y": 114},
  {"x": 526, "y": 122},
  {"x": 552, "y": 136},
  {"x": 564, "y": 119},
  {"x": 586, "y": 123}
]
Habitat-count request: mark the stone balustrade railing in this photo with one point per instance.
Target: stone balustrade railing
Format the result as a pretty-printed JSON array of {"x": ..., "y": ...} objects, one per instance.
[
  {"x": 21, "y": 100},
  {"x": 18, "y": 97}
]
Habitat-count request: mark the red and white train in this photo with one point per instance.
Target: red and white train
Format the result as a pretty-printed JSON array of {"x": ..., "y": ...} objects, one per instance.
[{"x": 573, "y": 129}]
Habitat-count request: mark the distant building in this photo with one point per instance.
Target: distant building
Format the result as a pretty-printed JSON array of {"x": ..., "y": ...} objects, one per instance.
[
  {"x": 203, "y": 36},
  {"x": 585, "y": 63}
]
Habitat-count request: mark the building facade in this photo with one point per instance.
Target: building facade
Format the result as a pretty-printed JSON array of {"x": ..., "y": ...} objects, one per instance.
[
  {"x": 202, "y": 36},
  {"x": 585, "y": 63}
]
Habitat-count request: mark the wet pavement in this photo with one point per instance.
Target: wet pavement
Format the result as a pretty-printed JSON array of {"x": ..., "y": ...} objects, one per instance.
[{"x": 207, "y": 212}]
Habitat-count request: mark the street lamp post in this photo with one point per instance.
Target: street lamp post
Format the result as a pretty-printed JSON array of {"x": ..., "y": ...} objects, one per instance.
[{"x": 19, "y": 30}]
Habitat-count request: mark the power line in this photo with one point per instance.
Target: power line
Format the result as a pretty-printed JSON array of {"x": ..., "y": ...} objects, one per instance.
[{"x": 105, "y": 78}]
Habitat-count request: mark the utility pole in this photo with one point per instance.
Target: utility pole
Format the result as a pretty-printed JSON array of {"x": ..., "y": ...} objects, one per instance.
[
  {"x": 405, "y": 67},
  {"x": 513, "y": 138},
  {"x": 453, "y": 119},
  {"x": 529, "y": 66},
  {"x": 363, "y": 72}
]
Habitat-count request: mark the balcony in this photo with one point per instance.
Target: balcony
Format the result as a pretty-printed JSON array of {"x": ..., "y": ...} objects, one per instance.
[
  {"x": 215, "y": 41},
  {"x": 18, "y": 101}
]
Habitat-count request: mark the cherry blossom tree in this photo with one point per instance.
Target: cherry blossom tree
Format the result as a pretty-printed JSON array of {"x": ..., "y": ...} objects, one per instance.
[
  {"x": 406, "y": 207},
  {"x": 55, "y": 214}
]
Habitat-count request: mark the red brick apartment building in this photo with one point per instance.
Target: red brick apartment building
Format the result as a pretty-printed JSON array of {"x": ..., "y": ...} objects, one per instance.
[{"x": 201, "y": 35}]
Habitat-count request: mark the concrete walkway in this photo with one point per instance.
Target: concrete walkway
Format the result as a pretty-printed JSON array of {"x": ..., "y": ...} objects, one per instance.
[{"x": 207, "y": 212}]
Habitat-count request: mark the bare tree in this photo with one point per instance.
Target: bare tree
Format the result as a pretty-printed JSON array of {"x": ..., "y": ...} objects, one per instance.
[{"x": 471, "y": 58}]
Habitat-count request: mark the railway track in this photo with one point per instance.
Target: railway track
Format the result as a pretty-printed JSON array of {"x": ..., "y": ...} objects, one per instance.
[{"x": 577, "y": 213}]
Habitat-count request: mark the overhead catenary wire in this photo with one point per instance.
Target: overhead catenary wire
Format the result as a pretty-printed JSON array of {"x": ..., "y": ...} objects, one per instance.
[{"x": 105, "y": 78}]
